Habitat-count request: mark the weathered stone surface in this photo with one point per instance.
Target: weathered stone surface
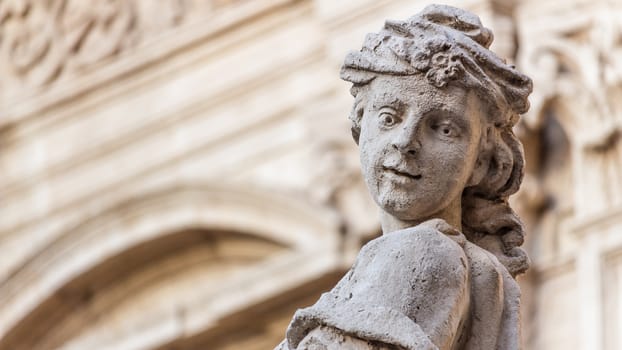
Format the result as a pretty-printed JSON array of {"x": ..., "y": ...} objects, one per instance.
[{"x": 433, "y": 117}]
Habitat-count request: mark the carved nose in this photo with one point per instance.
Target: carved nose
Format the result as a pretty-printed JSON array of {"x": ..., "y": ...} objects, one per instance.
[
  {"x": 406, "y": 149},
  {"x": 406, "y": 143}
]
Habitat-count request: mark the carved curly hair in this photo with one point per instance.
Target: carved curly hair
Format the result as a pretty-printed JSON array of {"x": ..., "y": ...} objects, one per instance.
[{"x": 450, "y": 45}]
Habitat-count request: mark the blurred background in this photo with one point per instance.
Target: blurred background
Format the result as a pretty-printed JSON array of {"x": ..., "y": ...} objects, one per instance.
[{"x": 179, "y": 174}]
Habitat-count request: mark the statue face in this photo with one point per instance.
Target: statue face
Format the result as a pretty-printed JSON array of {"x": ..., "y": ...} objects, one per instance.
[{"x": 418, "y": 144}]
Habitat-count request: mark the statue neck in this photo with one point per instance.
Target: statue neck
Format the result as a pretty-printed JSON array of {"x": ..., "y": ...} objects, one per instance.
[{"x": 452, "y": 214}]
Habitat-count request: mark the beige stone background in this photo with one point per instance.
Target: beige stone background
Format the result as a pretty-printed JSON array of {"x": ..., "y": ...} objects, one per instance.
[{"x": 178, "y": 174}]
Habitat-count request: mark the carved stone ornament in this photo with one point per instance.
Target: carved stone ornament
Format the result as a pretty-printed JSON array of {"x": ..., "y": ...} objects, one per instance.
[
  {"x": 39, "y": 40},
  {"x": 433, "y": 115},
  {"x": 576, "y": 58}
]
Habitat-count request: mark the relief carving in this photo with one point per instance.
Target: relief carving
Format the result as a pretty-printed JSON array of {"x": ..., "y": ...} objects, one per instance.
[{"x": 42, "y": 40}]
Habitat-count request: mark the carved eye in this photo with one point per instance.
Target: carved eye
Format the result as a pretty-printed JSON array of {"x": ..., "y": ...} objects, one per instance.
[
  {"x": 387, "y": 119},
  {"x": 445, "y": 129}
]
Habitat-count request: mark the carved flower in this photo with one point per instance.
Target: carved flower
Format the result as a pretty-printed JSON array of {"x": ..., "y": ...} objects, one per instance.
[
  {"x": 444, "y": 67},
  {"x": 440, "y": 62},
  {"x": 440, "y": 59},
  {"x": 30, "y": 46}
]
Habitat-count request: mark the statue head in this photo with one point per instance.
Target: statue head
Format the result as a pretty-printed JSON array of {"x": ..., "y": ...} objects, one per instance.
[{"x": 433, "y": 115}]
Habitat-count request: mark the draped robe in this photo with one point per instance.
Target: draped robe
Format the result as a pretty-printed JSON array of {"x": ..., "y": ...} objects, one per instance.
[{"x": 415, "y": 289}]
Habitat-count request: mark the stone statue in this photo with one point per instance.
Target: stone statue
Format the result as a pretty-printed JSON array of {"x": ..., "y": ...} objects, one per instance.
[{"x": 433, "y": 116}]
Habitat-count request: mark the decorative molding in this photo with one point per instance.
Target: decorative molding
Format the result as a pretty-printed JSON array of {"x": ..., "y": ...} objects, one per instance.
[
  {"x": 545, "y": 270},
  {"x": 107, "y": 185},
  {"x": 44, "y": 40},
  {"x": 300, "y": 226},
  {"x": 574, "y": 54},
  {"x": 597, "y": 223},
  {"x": 577, "y": 61},
  {"x": 126, "y": 33}
]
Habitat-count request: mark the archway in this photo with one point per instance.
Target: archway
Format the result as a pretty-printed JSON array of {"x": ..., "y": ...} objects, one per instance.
[{"x": 119, "y": 255}]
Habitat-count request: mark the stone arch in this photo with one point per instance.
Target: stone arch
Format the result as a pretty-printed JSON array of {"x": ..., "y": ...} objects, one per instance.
[{"x": 66, "y": 275}]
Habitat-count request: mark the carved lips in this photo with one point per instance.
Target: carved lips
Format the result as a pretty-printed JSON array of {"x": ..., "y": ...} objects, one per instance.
[{"x": 401, "y": 175}]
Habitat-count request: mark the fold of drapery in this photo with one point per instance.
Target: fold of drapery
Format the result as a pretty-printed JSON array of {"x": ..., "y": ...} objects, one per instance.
[{"x": 419, "y": 289}]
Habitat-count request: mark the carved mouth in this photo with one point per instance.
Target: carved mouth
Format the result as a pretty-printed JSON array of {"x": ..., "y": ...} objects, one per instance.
[{"x": 402, "y": 173}]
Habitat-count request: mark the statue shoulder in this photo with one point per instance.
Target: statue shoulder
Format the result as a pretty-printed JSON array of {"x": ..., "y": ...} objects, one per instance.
[{"x": 433, "y": 241}]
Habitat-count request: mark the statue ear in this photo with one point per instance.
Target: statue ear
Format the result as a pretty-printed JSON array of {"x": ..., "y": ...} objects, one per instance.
[{"x": 356, "y": 116}]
